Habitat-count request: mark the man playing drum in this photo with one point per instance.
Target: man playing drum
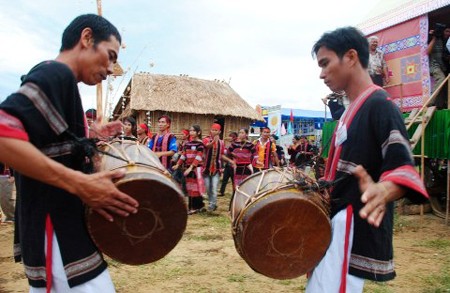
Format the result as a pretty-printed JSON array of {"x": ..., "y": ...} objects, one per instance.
[
  {"x": 370, "y": 143},
  {"x": 39, "y": 124}
]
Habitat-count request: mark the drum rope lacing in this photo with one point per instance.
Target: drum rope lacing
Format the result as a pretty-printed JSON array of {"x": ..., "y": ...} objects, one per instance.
[
  {"x": 127, "y": 159},
  {"x": 299, "y": 181}
]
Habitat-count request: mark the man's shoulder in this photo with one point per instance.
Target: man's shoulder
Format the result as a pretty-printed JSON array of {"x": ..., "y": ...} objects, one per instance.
[
  {"x": 379, "y": 96},
  {"x": 49, "y": 67}
]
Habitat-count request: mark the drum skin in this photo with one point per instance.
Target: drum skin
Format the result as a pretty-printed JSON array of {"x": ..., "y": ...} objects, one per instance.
[
  {"x": 159, "y": 224},
  {"x": 283, "y": 233}
]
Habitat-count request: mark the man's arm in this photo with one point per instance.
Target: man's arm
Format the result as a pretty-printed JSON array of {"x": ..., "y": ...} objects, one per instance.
[
  {"x": 431, "y": 45},
  {"x": 96, "y": 190},
  {"x": 375, "y": 196}
]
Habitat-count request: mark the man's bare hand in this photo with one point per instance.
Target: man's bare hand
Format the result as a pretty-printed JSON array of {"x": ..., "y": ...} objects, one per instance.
[
  {"x": 102, "y": 131},
  {"x": 100, "y": 193},
  {"x": 374, "y": 195}
]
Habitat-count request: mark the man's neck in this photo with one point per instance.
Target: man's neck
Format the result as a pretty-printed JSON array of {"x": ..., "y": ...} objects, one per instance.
[
  {"x": 358, "y": 84},
  {"x": 163, "y": 132}
]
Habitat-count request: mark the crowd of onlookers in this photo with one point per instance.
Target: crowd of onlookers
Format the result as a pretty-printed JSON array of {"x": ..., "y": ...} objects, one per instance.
[{"x": 198, "y": 159}]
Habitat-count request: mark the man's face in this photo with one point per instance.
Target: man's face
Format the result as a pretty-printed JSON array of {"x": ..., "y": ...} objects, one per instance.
[
  {"x": 96, "y": 62},
  {"x": 334, "y": 70},
  {"x": 446, "y": 33},
  {"x": 162, "y": 124},
  {"x": 89, "y": 121},
  {"x": 373, "y": 44},
  {"x": 265, "y": 133}
]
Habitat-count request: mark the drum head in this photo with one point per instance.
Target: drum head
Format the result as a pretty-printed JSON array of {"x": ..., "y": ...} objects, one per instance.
[
  {"x": 283, "y": 235},
  {"x": 153, "y": 231}
]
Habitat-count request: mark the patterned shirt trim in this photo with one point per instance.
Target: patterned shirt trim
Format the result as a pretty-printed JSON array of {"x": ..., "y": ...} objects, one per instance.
[
  {"x": 57, "y": 149},
  {"x": 45, "y": 107},
  {"x": 17, "y": 249},
  {"x": 83, "y": 266},
  {"x": 11, "y": 121},
  {"x": 346, "y": 166},
  {"x": 395, "y": 137},
  {"x": 402, "y": 174},
  {"x": 371, "y": 265},
  {"x": 35, "y": 273}
]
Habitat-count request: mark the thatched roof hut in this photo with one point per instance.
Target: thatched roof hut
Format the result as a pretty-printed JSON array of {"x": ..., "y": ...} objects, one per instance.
[{"x": 186, "y": 100}]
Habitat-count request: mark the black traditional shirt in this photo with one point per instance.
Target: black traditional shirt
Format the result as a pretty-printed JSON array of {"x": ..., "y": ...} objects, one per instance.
[{"x": 46, "y": 107}]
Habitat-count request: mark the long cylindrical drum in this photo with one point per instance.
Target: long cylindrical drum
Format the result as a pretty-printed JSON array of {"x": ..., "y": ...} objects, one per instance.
[
  {"x": 279, "y": 230},
  {"x": 159, "y": 224}
]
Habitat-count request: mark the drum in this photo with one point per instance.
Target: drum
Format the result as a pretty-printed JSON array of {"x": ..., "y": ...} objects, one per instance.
[
  {"x": 281, "y": 228},
  {"x": 158, "y": 226}
]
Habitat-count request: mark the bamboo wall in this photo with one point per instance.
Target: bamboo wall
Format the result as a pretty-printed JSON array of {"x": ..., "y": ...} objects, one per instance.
[{"x": 185, "y": 120}]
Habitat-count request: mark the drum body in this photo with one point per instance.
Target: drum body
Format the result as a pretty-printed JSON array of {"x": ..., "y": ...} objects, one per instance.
[
  {"x": 280, "y": 231},
  {"x": 158, "y": 226}
]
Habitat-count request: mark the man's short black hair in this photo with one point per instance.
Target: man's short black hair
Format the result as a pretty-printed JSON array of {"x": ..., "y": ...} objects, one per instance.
[
  {"x": 342, "y": 40},
  {"x": 102, "y": 30}
]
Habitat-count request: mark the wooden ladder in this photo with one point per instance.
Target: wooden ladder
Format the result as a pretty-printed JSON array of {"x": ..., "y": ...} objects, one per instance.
[{"x": 421, "y": 117}]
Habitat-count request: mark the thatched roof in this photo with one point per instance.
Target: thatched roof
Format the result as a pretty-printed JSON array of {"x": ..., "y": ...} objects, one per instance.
[{"x": 156, "y": 92}]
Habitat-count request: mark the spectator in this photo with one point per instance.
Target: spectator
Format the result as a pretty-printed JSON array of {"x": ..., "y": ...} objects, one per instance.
[{"x": 377, "y": 65}]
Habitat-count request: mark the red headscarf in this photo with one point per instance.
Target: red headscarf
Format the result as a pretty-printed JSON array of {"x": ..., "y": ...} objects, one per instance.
[
  {"x": 216, "y": 126},
  {"x": 144, "y": 126}
]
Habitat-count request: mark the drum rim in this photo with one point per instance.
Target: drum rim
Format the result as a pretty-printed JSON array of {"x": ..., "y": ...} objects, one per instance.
[{"x": 239, "y": 241}]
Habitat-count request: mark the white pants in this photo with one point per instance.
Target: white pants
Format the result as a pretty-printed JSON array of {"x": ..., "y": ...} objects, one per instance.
[
  {"x": 101, "y": 283},
  {"x": 327, "y": 276}
]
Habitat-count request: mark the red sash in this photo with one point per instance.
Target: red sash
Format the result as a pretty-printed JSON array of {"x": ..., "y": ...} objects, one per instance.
[
  {"x": 335, "y": 151},
  {"x": 164, "y": 144}
]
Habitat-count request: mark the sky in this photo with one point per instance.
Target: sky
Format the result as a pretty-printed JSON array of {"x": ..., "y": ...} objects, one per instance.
[{"x": 262, "y": 48}]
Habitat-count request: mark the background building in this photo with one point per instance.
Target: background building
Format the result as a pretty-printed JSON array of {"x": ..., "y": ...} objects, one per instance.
[{"x": 186, "y": 100}]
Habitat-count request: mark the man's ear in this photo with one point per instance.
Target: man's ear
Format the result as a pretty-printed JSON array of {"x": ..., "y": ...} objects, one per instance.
[
  {"x": 352, "y": 57},
  {"x": 87, "y": 40}
]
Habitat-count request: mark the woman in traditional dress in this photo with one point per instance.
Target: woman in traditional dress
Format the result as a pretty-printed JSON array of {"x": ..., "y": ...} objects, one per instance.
[
  {"x": 191, "y": 160},
  {"x": 242, "y": 152},
  {"x": 142, "y": 134},
  {"x": 294, "y": 149},
  {"x": 129, "y": 128}
]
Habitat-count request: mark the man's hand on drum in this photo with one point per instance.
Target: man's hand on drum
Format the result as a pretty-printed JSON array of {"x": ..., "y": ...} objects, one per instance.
[
  {"x": 103, "y": 131},
  {"x": 375, "y": 196},
  {"x": 99, "y": 192}
]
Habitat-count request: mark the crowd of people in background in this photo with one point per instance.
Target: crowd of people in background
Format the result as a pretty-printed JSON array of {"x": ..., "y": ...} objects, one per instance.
[{"x": 199, "y": 161}]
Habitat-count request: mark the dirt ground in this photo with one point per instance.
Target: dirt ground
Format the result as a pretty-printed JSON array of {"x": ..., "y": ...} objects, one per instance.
[{"x": 205, "y": 260}]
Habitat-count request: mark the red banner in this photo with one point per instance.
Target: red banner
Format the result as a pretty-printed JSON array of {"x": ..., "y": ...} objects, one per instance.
[{"x": 405, "y": 51}]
